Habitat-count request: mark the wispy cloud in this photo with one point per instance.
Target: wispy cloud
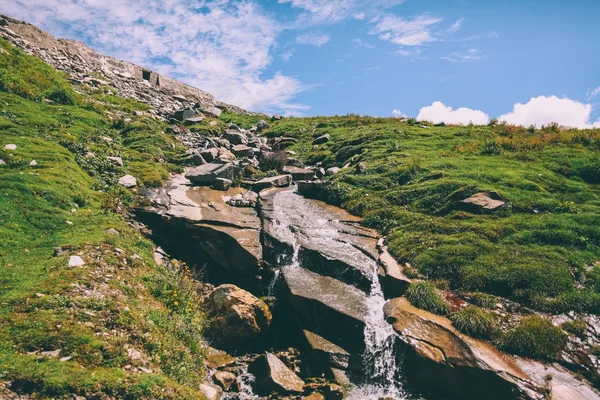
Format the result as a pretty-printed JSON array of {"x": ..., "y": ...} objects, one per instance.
[
  {"x": 468, "y": 56},
  {"x": 406, "y": 32},
  {"x": 287, "y": 56},
  {"x": 486, "y": 35},
  {"x": 592, "y": 93},
  {"x": 219, "y": 46},
  {"x": 314, "y": 39},
  {"x": 455, "y": 27},
  {"x": 361, "y": 43}
]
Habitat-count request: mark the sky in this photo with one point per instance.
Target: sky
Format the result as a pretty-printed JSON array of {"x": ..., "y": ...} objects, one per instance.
[{"x": 457, "y": 61}]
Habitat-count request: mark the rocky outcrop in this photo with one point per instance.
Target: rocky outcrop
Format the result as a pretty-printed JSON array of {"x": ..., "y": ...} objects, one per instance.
[
  {"x": 449, "y": 361},
  {"x": 272, "y": 375},
  {"x": 237, "y": 318}
]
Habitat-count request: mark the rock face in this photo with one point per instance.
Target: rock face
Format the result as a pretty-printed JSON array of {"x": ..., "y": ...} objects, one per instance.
[
  {"x": 198, "y": 222},
  {"x": 273, "y": 376},
  {"x": 237, "y": 318},
  {"x": 446, "y": 359}
]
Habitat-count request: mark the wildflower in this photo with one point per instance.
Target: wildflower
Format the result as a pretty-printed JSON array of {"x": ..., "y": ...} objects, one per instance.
[{"x": 175, "y": 303}]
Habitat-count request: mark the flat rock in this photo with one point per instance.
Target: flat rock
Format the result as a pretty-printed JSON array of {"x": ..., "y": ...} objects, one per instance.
[
  {"x": 481, "y": 202},
  {"x": 241, "y": 150},
  {"x": 299, "y": 174},
  {"x": 235, "y": 137},
  {"x": 209, "y": 154},
  {"x": 214, "y": 111},
  {"x": 272, "y": 375},
  {"x": 76, "y": 261},
  {"x": 205, "y": 175},
  {"x": 275, "y": 181},
  {"x": 127, "y": 181},
  {"x": 10, "y": 146}
]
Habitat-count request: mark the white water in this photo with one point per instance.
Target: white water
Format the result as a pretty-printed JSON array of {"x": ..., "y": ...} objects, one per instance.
[{"x": 382, "y": 372}]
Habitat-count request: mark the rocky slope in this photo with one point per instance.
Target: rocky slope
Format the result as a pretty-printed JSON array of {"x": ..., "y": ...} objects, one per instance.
[{"x": 294, "y": 288}]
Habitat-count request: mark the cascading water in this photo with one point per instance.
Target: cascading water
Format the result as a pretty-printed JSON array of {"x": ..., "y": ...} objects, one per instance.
[{"x": 381, "y": 368}]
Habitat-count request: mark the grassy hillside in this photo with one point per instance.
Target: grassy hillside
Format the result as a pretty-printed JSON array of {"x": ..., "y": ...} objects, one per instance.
[
  {"x": 406, "y": 179},
  {"x": 120, "y": 324}
]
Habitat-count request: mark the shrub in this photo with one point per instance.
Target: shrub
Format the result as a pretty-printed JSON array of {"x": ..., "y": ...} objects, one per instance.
[
  {"x": 491, "y": 148},
  {"x": 426, "y": 296},
  {"x": 535, "y": 337},
  {"x": 273, "y": 161},
  {"x": 62, "y": 96},
  {"x": 474, "y": 322},
  {"x": 576, "y": 327}
]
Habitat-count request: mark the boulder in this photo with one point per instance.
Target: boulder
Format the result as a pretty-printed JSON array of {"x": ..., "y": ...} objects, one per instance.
[
  {"x": 205, "y": 175},
  {"x": 445, "y": 360},
  {"x": 2, "y": 162},
  {"x": 222, "y": 184},
  {"x": 482, "y": 202},
  {"x": 235, "y": 137},
  {"x": 213, "y": 111},
  {"x": 237, "y": 318},
  {"x": 118, "y": 161},
  {"x": 323, "y": 357},
  {"x": 194, "y": 158},
  {"x": 10, "y": 146},
  {"x": 322, "y": 139},
  {"x": 225, "y": 156},
  {"x": 210, "y": 392},
  {"x": 241, "y": 150},
  {"x": 182, "y": 115},
  {"x": 332, "y": 171},
  {"x": 209, "y": 154},
  {"x": 224, "y": 379},
  {"x": 261, "y": 126},
  {"x": 272, "y": 375},
  {"x": 127, "y": 181},
  {"x": 76, "y": 261},
  {"x": 299, "y": 174},
  {"x": 275, "y": 181}
]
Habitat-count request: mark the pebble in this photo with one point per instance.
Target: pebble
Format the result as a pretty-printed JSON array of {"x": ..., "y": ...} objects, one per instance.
[
  {"x": 33, "y": 163},
  {"x": 69, "y": 223}
]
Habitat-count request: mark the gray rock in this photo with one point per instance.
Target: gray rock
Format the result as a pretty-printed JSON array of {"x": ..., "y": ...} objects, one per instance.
[
  {"x": 322, "y": 139},
  {"x": 210, "y": 392},
  {"x": 194, "y": 158},
  {"x": 76, "y": 261},
  {"x": 275, "y": 181},
  {"x": 235, "y": 137},
  {"x": 272, "y": 375},
  {"x": 261, "y": 126},
  {"x": 332, "y": 171},
  {"x": 214, "y": 111},
  {"x": 205, "y": 175},
  {"x": 320, "y": 172},
  {"x": 234, "y": 127},
  {"x": 182, "y": 115},
  {"x": 10, "y": 146},
  {"x": 2, "y": 162},
  {"x": 116, "y": 161},
  {"x": 483, "y": 202},
  {"x": 33, "y": 163},
  {"x": 209, "y": 154},
  {"x": 127, "y": 181},
  {"x": 299, "y": 174},
  {"x": 241, "y": 150},
  {"x": 222, "y": 184}
]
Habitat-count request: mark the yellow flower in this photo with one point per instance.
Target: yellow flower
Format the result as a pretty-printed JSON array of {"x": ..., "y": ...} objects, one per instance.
[{"x": 176, "y": 303}]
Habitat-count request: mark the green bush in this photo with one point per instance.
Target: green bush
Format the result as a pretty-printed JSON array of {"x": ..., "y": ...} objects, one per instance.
[
  {"x": 62, "y": 96},
  {"x": 426, "y": 296},
  {"x": 474, "y": 322},
  {"x": 535, "y": 337}
]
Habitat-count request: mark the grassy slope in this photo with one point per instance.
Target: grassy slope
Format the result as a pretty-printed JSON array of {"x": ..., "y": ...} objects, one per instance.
[
  {"x": 539, "y": 250},
  {"x": 117, "y": 300}
]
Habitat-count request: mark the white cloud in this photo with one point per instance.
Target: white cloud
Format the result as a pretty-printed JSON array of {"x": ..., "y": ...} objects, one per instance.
[
  {"x": 468, "y": 56},
  {"x": 409, "y": 52},
  {"x": 398, "y": 114},
  {"x": 326, "y": 12},
  {"x": 455, "y": 27},
  {"x": 219, "y": 46},
  {"x": 592, "y": 93},
  {"x": 544, "y": 110},
  {"x": 438, "y": 112},
  {"x": 362, "y": 43},
  {"x": 287, "y": 56},
  {"x": 406, "y": 32},
  {"x": 314, "y": 39}
]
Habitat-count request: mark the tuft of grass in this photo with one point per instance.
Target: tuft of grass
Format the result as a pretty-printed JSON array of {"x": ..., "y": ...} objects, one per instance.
[
  {"x": 575, "y": 327},
  {"x": 535, "y": 337},
  {"x": 426, "y": 296},
  {"x": 474, "y": 322}
]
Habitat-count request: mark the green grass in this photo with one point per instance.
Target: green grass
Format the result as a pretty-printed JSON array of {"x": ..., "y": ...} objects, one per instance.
[
  {"x": 535, "y": 337},
  {"x": 474, "y": 322},
  {"x": 117, "y": 299},
  {"x": 538, "y": 250},
  {"x": 426, "y": 296},
  {"x": 575, "y": 327}
]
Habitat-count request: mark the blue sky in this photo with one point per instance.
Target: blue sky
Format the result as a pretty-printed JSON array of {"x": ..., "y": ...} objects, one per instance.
[{"x": 527, "y": 62}]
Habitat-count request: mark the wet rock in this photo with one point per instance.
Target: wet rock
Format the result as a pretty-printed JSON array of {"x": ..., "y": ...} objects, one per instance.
[
  {"x": 275, "y": 181},
  {"x": 127, "y": 181},
  {"x": 206, "y": 174},
  {"x": 237, "y": 318},
  {"x": 393, "y": 281},
  {"x": 299, "y": 174},
  {"x": 272, "y": 375},
  {"x": 222, "y": 184},
  {"x": 482, "y": 202},
  {"x": 322, "y": 139},
  {"x": 322, "y": 357},
  {"x": 210, "y": 392},
  {"x": 224, "y": 379},
  {"x": 443, "y": 359},
  {"x": 247, "y": 199},
  {"x": 314, "y": 396}
]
